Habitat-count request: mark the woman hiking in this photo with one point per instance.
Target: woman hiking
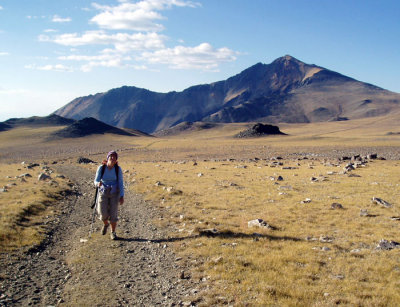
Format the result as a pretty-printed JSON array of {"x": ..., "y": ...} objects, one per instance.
[{"x": 111, "y": 192}]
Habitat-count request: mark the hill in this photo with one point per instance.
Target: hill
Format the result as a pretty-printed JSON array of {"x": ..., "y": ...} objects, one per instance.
[
  {"x": 51, "y": 120},
  {"x": 89, "y": 126},
  {"x": 286, "y": 90},
  {"x": 185, "y": 127}
]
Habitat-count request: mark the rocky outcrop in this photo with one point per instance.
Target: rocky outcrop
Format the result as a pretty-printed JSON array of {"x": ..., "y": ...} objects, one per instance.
[{"x": 260, "y": 130}]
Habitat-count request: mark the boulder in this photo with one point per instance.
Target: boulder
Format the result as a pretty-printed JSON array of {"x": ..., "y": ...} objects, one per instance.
[
  {"x": 381, "y": 202},
  {"x": 387, "y": 245},
  {"x": 43, "y": 177},
  {"x": 259, "y": 223},
  {"x": 82, "y": 160}
]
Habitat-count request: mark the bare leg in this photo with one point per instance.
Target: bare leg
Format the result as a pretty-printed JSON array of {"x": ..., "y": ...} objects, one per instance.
[{"x": 113, "y": 226}]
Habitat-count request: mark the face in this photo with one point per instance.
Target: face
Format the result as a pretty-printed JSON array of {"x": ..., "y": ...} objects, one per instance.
[{"x": 112, "y": 160}]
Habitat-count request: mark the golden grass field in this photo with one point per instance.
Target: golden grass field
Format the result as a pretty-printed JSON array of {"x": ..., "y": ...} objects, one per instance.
[
  {"x": 26, "y": 205},
  {"x": 315, "y": 255}
]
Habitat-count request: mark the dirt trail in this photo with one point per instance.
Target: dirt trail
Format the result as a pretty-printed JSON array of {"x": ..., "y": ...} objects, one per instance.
[{"x": 138, "y": 269}]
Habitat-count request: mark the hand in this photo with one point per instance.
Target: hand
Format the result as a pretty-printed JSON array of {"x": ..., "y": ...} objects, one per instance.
[{"x": 121, "y": 200}]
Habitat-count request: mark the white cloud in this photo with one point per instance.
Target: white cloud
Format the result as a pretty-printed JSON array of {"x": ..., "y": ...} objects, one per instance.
[
  {"x": 57, "y": 18},
  {"x": 57, "y": 67},
  {"x": 4, "y": 53},
  {"x": 139, "y": 44},
  {"x": 122, "y": 42},
  {"x": 139, "y": 16},
  {"x": 203, "y": 57},
  {"x": 50, "y": 31},
  {"x": 1, "y": 8}
]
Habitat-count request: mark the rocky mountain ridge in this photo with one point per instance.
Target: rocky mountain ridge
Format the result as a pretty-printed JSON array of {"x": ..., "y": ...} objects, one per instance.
[{"x": 286, "y": 90}]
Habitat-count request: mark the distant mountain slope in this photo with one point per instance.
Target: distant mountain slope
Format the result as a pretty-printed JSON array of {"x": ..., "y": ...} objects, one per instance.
[
  {"x": 51, "y": 120},
  {"x": 287, "y": 90}
]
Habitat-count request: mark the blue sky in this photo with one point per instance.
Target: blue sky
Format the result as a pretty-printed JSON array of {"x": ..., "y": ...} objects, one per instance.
[{"x": 54, "y": 51}]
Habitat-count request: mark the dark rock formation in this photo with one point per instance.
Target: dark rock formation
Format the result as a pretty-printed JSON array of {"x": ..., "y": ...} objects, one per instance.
[{"x": 260, "y": 130}]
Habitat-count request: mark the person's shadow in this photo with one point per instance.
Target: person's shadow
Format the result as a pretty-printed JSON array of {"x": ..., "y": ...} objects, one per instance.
[{"x": 213, "y": 234}]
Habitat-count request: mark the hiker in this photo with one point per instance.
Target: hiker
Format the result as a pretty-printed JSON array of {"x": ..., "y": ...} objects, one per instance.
[{"x": 111, "y": 192}]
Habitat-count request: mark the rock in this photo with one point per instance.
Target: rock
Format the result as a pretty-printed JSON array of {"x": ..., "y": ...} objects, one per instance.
[
  {"x": 199, "y": 174},
  {"x": 260, "y": 130},
  {"x": 336, "y": 206},
  {"x": 208, "y": 232},
  {"x": 3, "y": 190},
  {"x": 387, "y": 245},
  {"x": 306, "y": 201},
  {"x": 372, "y": 156},
  {"x": 381, "y": 202},
  {"x": 325, "y": 239},
  {"x": 26, "y": 175},
  {"x": 259, "y": 223},
  {"x": 217, "y": 259},
  {"x": 364, "y": 212},
  {"x": 43, "y": 176},
  {"x": 82, "y": 160}
]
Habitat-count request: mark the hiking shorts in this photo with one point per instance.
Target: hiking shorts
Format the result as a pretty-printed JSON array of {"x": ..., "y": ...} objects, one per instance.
[{"x": 107, "y": 206}]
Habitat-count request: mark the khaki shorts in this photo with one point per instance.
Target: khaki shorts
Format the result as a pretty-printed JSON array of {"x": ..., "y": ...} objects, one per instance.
[{"x": 107, "y": 206}]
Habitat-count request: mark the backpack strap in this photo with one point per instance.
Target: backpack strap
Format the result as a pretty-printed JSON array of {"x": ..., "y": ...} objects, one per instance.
[{"x": 103, "y": 169}]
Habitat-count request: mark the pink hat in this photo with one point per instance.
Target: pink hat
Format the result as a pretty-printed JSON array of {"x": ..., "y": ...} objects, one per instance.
[{"x": 112, "y": 153}]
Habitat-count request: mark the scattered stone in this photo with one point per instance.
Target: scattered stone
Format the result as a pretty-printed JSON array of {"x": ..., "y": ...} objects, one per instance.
[
  {"x": 259, "y": 223},
  {"x": 83, "y": 240},
  {"x": 3, "y": 190},
  {"x": 372, "y": 156},
  {"x": 217, "y": 259},
  {"x": 26, "y": 175},
  {"x": 336, "y": 206},
  {"x": 395, "y": 218},
  {"x": 387, "y": 245},
  {"x": 158, "y": 183},
  {"x": 43, "y": 176},
  {"x": 364, "y": 212},
  {"x": 209, "y": 232},
  {"x": 199, "y": 174},
  {"x": 379, "y": 201},
  {"x": 306, "y": 201},
  {"x": 82, "y": 160},
  {"x": 325, "y": 239}
]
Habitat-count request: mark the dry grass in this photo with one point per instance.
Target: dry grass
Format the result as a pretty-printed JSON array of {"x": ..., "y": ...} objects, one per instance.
[
  {"x": 26, "y": 206},
  {"x": 287, "y": 266}
]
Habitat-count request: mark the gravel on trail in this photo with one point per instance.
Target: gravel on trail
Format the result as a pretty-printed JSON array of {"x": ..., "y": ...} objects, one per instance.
[{"x": 72, "y": 269}]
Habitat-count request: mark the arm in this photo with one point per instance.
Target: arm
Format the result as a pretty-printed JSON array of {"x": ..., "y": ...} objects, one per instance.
[
  {"x": 121, "y": 186},
  {"x": 97, "y": 178}
]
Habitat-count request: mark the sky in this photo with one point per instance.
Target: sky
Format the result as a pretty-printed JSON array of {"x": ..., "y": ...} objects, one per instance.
[{"x": 52, "y": 51}]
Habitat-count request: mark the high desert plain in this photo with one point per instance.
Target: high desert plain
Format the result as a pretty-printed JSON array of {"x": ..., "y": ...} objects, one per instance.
[{"x": 310, "y": 218}]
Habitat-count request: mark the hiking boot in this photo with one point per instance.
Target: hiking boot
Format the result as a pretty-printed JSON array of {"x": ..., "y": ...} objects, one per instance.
[
  {"x": 104, "y": 229},
  {"x": 113, "y": 235}
]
